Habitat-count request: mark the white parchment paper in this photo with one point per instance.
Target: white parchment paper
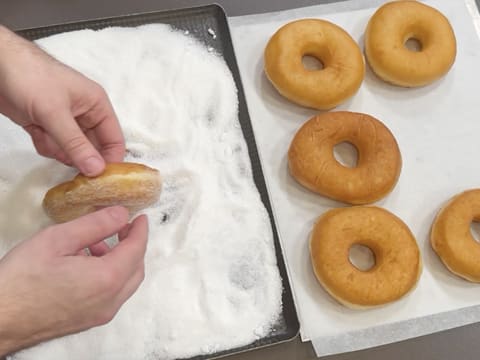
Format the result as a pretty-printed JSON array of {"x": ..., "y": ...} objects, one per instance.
[{"x": 438, "y": 131}]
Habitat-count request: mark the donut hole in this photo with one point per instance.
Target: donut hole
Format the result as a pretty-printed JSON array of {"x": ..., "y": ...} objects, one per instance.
[
  {"x": 361, "y": 257},
  {"x": 312, "y": 63},
  {"x": 413, "y": 44},
  {"x": 346, "y": 154},
  {"x": 475, "y": 230}
]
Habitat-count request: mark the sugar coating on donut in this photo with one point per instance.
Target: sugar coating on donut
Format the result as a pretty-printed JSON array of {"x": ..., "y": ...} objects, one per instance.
[{"x": 132, "y": 185}]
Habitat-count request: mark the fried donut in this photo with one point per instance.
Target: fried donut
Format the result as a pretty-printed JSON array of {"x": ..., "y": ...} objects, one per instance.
[
  {"x": 132, "y": 185},
  {"x": 451, "y": 238},
  {"x": 398, "y": 264},
  {"x": 385, "y": 43},
  {"x": 342, "y": 60},
  {"x": 312, "y": 163}
]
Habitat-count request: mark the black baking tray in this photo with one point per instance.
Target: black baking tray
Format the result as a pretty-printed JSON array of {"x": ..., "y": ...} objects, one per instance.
[{"x": 209, "y": 25}]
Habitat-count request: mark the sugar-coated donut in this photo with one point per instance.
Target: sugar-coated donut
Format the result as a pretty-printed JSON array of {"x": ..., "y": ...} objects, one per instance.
[
  {"x": 342, "y": 60},
  {"x": 387, "y": 33},
  {"x": 312, "y": 163},
  {"x": 132, "y": 185},
  {"x": 398, "y": 264},
  {"x": 451, "y": 237}
]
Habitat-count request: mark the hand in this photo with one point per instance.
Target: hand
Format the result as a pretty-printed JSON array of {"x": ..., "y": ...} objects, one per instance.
[
  {"x": 50, "y": 288},
  {"x": 68, "y": 116}
]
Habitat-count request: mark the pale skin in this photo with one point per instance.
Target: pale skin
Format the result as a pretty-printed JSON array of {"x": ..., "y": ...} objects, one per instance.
[{"x": 48, "y": 286}]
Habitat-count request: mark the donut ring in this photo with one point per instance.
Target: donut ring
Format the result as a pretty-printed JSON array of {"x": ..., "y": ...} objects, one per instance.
[
  {"x": 343, "y": 63},
  {"x": 312, "y": 163},
  {"x": 132, "y": 185},
  {"x": 451, "y": 238},
  {"x": 389, "y": 29},
  {"x": 397, "y": 268}
]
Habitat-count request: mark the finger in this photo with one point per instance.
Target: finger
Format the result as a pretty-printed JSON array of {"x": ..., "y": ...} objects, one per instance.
[
  {"x": 96, "y": 250},
  {"x": 90, "y": 134},
  {"x": 44, "y": 144},
  {"x": 103, "y": 248},
  {"x": 109, "y": 135},
  {"x": 83, "y": 252},
  {"x": 124, "y": 232},
  {"x": 62, "y": 157},
  {"x": 102, "y": 120},
  {"x": 129, "y": 252},
  {"x": 131, "y": 286},
  {"x": 88, "y": 230},
  {"x": 99, "y": 249},
  {"x": 40, "y": 141},
  {"x": 70, "y": 138}
]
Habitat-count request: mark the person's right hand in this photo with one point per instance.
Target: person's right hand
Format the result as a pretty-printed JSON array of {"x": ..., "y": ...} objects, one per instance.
[
  {"x": 68, "y": 116},
  {"x": 50, "y": 288}
]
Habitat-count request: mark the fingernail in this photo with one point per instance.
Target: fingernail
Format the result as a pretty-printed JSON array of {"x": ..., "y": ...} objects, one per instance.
[
  {"x": 93, "y": 166},
  {"x": 117, "y": 213}
]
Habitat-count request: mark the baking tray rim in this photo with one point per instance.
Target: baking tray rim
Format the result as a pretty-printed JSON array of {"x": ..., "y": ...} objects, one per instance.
[{"x": 119, "y": 17}]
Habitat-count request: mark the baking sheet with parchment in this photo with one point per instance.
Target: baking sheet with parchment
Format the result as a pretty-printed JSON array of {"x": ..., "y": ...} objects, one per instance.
[{"x": 438, "y": 131}]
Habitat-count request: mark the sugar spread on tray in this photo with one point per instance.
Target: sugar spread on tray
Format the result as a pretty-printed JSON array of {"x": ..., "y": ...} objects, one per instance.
[{"x": 211, "y": 282}]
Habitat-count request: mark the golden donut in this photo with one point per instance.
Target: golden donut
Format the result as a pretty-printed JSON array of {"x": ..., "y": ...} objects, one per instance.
[
  {"x": 397, "y": 257},
  {"x": 312, "y": 163},
  {"x": 389, "y": 29},
  {"x": 132, "y": 185},
  {"x": 451, "y": 237},
  {"x": 343, "y": 63}
]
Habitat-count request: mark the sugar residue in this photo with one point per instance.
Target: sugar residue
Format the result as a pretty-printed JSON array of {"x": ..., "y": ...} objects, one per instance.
[
  {"x": 211, "y": 277},
  {"x": 212, "y": 33}
]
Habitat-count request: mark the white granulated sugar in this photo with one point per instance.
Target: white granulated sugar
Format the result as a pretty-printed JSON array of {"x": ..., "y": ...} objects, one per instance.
[
  {"x": 211, "y": 277},
  {"x": 212, "y": 33}
]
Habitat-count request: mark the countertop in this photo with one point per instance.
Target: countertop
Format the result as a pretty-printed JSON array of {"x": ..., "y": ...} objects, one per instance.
[{"x": 461, "y": 343}]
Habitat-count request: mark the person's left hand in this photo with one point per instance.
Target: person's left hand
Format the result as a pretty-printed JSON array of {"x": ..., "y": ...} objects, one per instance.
[
  {"x": 68, "y": 116},
  {"x": 49, "y": 288}
]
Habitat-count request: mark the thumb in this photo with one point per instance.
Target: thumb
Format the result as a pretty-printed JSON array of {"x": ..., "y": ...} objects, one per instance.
[
  {"x": 75, "y": 235},
  {"x": 71, "y": 139}
]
